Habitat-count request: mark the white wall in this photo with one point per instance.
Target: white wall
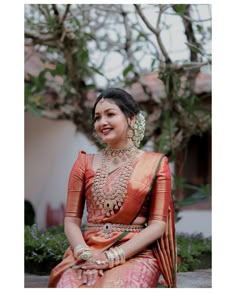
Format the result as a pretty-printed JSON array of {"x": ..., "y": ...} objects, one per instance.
[
  {"x": 195, "y": 222},
  {"x": 51, "y": 147}
]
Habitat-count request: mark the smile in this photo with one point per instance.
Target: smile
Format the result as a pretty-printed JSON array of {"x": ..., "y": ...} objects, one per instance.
[{"x": 106, "y": 131}]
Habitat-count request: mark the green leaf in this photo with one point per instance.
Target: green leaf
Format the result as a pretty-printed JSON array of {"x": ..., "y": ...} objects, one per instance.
[
  {"x": 179, "y": 9},
  {"x": 83, "y": 55},
  {"x": 91, "y": 86},
  {"x": 193, "y": 48},
  {"x": 96, "y": 70},
  {"x": 33, "y": 110},
  {"x": 128, "y": 69},
  {"x": 140, "y": 36},
  {"x": 59, "y": 70},
  {"x": 153, "y": 64},
  {"x": 37, "y": 83},
  {"x": 200, "y": 28},
  {"x": 28, "y": 93}
]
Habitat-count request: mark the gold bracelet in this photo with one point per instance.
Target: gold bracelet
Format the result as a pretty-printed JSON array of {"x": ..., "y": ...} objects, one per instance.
[
  {"x": 110, "y": 258},
  {"x": 121, "y": 254},
  {"x": 116, "y": 256},
  {"x": 80, "y": 249}
]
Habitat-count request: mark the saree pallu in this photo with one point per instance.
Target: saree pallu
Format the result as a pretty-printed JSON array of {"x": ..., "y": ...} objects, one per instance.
[{"x": 143, "y": 269}]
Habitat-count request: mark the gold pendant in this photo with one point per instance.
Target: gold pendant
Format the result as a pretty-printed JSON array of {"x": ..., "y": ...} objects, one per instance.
[{"x": 108, "y": 205}]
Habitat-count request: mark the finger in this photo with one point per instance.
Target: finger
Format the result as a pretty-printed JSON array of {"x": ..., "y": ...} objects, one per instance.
[
  {"x": 84, "y": 277},
  {"x": 93, "y": 277},
  {"x": 90, "y": 277},
  {"x": 80, "y": 274},
  {"x": 88, "y": 267},
  {"x": 85, "y": 265},
  {"x": 77, "y": 265}
]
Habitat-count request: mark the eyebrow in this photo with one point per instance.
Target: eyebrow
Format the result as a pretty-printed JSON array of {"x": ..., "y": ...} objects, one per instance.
[{"x": 106, "y": 110}]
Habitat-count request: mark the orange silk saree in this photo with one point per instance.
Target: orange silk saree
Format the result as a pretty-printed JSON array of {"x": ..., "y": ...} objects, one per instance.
[{"x": 146, "y": 181}]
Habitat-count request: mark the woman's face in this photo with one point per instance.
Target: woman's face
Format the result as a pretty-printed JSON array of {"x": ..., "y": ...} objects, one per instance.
[{"x": 111, "y": 124}]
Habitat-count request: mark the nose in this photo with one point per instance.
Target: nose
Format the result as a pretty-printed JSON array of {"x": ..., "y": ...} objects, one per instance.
[{"x": 103, "y": 121}]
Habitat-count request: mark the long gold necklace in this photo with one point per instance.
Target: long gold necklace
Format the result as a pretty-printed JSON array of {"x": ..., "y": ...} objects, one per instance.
[{"x": 110, "y": 202}]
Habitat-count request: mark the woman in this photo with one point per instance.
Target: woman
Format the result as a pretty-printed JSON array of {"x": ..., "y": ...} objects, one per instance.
[{"x": 129, "y": 238}]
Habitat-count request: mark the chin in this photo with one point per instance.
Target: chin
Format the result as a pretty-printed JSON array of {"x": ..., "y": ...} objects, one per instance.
[{"x": 109, "y": 140}]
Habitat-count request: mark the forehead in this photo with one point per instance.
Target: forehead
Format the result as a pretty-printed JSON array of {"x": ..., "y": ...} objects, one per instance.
[{"x": 105, "y": 105}]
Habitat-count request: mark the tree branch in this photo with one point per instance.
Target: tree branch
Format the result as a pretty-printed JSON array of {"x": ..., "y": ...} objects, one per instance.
[
  {"x": 41, "y": 39},
  {"x": 43, "y": 11},
  {"x": 65, "y": 13},
  {"x": 190, "y": 34},
  {"x": 56, "y": 12},
  {"x": 156, "y": 33},
  {"x": 127, "y": 48},
  {"x": 151, "y": 28}
]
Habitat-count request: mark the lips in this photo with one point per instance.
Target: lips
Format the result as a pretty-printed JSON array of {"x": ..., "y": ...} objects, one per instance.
[{"x": 106, "y": 131}]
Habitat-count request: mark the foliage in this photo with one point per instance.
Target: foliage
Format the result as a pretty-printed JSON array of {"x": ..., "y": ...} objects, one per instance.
[
  {"x": 200, "y": 194},
  {"x": 83, "y": 41},
  {"x": 194, "y": 251},
  {"x": 45, "y": 249},
  {"x": 185, "y": 114}
]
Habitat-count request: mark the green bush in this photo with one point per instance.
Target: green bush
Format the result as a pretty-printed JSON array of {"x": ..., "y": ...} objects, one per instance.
[
  {"x": 45, "y": 249},
  {"x": 194, "y": 252}
]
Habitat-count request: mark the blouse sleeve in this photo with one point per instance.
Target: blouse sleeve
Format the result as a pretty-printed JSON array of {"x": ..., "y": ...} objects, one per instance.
[
  {"x": 75, "y": 193},
  {"x": 161, "y": 193}
]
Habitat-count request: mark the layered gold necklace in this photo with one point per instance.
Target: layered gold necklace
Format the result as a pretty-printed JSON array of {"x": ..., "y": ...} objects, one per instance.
[{"x": 110, "y": 202}]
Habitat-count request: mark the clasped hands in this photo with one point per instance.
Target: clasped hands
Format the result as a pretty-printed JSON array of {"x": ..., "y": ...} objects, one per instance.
[
  {"x": 89, "y": 270},
  {"x": 90, "y": 265}
]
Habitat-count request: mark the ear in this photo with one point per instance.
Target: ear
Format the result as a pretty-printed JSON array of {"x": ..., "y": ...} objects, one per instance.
[{"x": 131, "y": 121}]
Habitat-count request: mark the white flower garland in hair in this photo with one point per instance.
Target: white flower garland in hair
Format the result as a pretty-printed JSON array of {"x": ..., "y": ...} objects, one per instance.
[{"x": 139, "y": 129}]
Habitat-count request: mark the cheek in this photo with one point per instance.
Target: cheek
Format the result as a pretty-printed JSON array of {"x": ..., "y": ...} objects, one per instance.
[
  {"x": 95, "y": 127},
  {"x": 124, "y": 128}
]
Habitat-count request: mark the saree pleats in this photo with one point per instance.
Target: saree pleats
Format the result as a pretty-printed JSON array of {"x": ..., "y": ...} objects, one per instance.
[{"x": 165, "y": 252}]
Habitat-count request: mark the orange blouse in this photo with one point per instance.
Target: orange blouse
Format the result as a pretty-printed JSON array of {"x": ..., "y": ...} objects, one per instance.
[{"x": 81, "y": 178}]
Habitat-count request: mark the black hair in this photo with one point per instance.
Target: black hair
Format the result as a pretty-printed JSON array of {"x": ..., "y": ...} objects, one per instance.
[{"x": 122, "y": 99}]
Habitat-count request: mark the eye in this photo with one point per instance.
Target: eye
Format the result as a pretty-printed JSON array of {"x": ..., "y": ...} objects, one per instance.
[
  {"x": 110, "y": 114},
  {"x": 96, "y": 118}
]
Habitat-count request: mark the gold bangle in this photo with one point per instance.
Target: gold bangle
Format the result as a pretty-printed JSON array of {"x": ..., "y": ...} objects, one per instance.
[
  {"x": 116, "y": 256},
  {"x": 121, "y": 254},
  {"x": 110, "y": 257},
  {"x": 79, "y": 249}
]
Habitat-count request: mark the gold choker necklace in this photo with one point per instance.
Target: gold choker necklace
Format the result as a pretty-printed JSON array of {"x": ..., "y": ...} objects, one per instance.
[{"x": 119, "y": 155}]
